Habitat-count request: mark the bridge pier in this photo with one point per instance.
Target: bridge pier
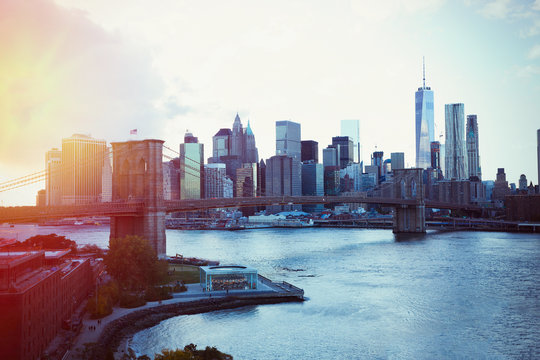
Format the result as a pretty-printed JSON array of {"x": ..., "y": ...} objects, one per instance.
[
  {"x": 138, "y": 176},
  {"x": 408, "y": 184}
]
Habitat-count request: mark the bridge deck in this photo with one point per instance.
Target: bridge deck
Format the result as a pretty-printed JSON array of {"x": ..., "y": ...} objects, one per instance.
[{"x": 32, "y": 213}]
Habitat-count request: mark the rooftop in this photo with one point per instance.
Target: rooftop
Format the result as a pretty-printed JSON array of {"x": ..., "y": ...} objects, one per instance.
[{"x": 229, "y": 269}]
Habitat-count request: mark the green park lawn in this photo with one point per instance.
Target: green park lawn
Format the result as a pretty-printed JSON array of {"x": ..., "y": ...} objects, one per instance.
[{"x": 186, "y": 273}]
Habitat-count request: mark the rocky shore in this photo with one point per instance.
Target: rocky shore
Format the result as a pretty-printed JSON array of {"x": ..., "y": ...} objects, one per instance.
[{"x": 123, "y": 328}]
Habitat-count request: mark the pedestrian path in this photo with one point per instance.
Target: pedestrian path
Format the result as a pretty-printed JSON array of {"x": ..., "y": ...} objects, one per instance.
[{"x": 92, "y": 328}]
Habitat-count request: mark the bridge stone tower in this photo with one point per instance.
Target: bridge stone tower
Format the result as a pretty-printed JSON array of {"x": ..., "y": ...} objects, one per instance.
[
  {"x": 138, "y": 177},
  {"x": 408, "y": 185}
]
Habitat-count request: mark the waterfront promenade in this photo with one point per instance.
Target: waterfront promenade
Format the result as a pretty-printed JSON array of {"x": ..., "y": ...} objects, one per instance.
[{"x": 194, "y": 300}]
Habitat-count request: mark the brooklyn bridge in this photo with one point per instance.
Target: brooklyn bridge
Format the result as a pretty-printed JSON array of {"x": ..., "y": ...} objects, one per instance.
[{"x": 138, "y": 206}]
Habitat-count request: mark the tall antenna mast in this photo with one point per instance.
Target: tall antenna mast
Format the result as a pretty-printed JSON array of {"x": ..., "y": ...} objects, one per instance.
[{"x": 424, "y": 72}]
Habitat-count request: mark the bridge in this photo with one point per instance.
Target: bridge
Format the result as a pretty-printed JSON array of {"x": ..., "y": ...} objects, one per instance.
[{"x": 138, "y": 207}]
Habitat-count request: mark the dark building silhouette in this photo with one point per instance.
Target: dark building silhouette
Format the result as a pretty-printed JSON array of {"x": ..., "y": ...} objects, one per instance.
[
  {"x": 310, "y": 151},
  {"x": 377, "y": 160},
  {"x": 283, "y": 177},
  {"x": 346, "y": 153},
  {"x": 500, "y": 190}
]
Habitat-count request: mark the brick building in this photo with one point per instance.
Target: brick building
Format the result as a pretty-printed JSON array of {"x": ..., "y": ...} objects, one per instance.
[{"x": 39, "y": 290}]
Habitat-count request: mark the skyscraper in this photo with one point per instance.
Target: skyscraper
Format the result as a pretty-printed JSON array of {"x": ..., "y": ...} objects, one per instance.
[
  {"x": 437, "y": 159},
  {"x": 377, "y": 160},
  {"x": 221, "y": 143},
  {"x": 250, "y": 154},
  {"x": 346, "y": 152},
  {"x": 246, "y": 180},
  {"x": 191, "y": 168},
  {"x": 82, "y": 166},
  {"x": 106, "y": 176},
  {"x": 500, "y": 190},
  {"x": 312, "y": 183},
  {"x": 310, "y": 151},
  {"x": 283, "y": 177},
  {"x": 538, "y": 154},
  {"x": 238, "y": 143},
  {"x": 424, "y": 124},
  {"x": 351, "y": 128},
  {"x": 473, "y": 155},
  {"x": 331, "y": 160},
  {"x": 397, "y": 160},
  {"x": 53, "y": 181},
  {"x": 288, "y": 135},
  {"x": 237, "y": 138},
  {"x": 331, "y": 156},
  {"x": 435, "y": 155},
  {"x": 455, "y": 154},
  {"x": 215, "y": 178}
]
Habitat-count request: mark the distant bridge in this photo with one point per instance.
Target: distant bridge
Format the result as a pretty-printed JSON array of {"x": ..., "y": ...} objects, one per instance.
[{"x": 138, "y": 207}]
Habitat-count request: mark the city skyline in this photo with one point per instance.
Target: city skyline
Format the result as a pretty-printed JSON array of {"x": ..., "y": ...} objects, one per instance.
[{"x": 266, "y": 74}]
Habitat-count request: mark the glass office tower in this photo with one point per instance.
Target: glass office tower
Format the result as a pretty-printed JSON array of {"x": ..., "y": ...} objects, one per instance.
[
  {"x": 351, "y": 128},
  {"x": 288, "y": 139},
  {"x": 425, "y": 125},
  {"x": 191, "y": 168}
]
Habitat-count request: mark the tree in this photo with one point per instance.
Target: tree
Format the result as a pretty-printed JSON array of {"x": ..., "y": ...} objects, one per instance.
[
  {"x": 134, "y": 263},
  {"x": 190, "y": 352},
  {"x": 50, "y": 242}
]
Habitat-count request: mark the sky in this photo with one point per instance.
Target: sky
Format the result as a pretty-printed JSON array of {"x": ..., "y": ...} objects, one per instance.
[{"x": 104, "y": 67}]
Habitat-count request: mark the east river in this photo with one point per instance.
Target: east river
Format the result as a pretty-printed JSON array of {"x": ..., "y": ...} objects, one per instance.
[{"x": 370, "y": 295}]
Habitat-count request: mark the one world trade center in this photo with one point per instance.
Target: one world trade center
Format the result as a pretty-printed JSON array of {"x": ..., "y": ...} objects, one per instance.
[{"x": 424, "y": 124}]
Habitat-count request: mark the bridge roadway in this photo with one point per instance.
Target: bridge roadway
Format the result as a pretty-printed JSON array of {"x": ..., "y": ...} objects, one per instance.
[{"x": 134, "y": 208}]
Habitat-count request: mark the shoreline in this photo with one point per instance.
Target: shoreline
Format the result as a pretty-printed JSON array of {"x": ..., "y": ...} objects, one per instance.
[{"x": 120, "y": 331}]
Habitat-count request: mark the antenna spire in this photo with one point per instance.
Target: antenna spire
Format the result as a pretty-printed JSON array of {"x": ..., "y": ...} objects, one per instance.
[{"x": 424, "y": 72}]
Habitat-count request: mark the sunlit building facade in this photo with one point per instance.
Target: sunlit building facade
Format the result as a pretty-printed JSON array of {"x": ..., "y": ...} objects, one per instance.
[
  {"x": 106, "y": 177},
  {"x": 191, "y": 168},
  {"x": 53, "y": 180},
  {"x": 82, "y": 167},
  {"x": 455, "y": 153}
]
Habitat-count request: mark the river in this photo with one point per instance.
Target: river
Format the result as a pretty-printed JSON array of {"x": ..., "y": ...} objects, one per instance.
[{"x": 370, "y": 294}]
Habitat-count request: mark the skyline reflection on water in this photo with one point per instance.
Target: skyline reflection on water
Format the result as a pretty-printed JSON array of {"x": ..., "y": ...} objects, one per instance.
[{"x": 441, "y": 295}]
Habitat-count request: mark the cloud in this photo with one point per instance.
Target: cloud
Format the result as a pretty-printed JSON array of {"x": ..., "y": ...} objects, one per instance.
[
  {"x": 377, "y": 11},
  {"x": 533, "y": 30},
  {"x": 527, "y": 71},
  {"x": 61, "y": 74},
  {"x": 536, "y": 5},
  {"x": 497, "y": 9},
  {"x": 534, "y": 53}
]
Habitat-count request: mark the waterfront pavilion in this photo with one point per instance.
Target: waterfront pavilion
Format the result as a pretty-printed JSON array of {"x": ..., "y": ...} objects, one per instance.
[{"x": 228, "y": 277}]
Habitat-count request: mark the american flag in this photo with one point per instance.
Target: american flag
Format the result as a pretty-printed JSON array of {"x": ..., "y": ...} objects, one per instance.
[{"x": 133, "y": 132}]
